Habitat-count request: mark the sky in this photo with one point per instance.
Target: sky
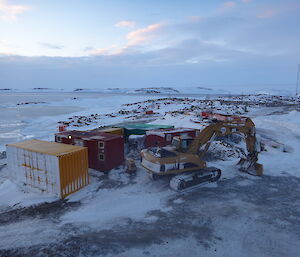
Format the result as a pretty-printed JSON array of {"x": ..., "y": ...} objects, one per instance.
[{"x": 100, "y": 44}]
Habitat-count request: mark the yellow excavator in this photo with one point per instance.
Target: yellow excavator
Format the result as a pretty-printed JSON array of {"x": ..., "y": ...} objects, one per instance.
[{"x": 184, "y": 158}]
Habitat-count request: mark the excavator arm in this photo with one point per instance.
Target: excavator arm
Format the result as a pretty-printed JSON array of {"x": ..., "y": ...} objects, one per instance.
[{"x": 245, "y": 126}]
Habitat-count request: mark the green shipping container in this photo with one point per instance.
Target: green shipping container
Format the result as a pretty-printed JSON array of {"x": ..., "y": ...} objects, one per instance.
[{"x": 140, "y": 128}]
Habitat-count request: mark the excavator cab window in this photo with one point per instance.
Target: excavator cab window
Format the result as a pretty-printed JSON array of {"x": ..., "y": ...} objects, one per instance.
[
  {"x": 185, "y": 143},
  {"x": 176, "y": 142},
  {"x": 182, "y": 144}
]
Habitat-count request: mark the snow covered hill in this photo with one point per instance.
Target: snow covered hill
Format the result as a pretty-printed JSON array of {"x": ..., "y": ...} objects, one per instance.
[{"x": 186, "y": 90}]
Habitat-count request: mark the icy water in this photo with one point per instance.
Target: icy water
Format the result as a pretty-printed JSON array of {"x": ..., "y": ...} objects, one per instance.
[
  {"x": 38, "y": 119},
  {"x": 15, "y": 118}
]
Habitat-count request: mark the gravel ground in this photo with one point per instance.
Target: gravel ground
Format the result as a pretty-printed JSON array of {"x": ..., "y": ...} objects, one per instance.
[{"x": 238, "y": 217}]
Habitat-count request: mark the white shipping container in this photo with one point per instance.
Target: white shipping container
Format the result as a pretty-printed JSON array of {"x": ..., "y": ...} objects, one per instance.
[{"x": 53, "y": 168}]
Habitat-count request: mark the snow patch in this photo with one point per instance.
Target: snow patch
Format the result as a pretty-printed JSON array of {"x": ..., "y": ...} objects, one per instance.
[
  {"x": 12, "y": 195},
  {"x": 109, "y": 205}
]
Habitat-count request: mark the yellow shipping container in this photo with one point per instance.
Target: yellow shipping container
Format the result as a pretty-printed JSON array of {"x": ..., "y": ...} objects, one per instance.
[
  {"x": 55, "y": 168},
  {"x": 117, "y": 131}
]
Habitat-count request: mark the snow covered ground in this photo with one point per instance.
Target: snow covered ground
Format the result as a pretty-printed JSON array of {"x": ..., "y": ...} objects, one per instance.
[
  {"x": 26, "y": 121},
  {"x": 123, "y": 215}
]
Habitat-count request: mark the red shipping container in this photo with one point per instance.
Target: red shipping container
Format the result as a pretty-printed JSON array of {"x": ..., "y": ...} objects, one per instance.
[
  {"x": 62, "y": 128},
  {"x": 164, "y": 137},
  {"x": 149, "y": 112},
  {"x": 105, "y": 150}
]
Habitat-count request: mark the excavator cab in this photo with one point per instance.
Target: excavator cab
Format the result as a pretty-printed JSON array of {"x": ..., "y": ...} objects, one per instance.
[{"x": 182, "y": 143}]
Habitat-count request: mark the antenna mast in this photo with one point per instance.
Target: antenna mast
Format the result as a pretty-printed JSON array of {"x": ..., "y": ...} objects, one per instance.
[{"x": 298, "y": 73}]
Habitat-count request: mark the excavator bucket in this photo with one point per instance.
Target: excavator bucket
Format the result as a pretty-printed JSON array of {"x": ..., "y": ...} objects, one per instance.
[
  {"x": 253, "y": 168},
  {"x": 259, "y": 168}
]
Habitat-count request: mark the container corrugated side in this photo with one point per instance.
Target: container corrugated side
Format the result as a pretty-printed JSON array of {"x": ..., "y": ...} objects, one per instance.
[{"x": 37, "y": 170}]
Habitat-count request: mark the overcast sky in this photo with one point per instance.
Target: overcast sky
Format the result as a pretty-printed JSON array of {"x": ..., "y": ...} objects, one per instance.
[{"x": 97, "y": 43}]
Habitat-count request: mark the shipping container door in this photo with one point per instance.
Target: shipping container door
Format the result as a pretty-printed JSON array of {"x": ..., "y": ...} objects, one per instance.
[{"x": 73, "y": 172}]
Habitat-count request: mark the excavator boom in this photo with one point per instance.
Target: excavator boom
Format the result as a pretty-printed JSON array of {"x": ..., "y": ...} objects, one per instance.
[{"x": 245, "y": 127}]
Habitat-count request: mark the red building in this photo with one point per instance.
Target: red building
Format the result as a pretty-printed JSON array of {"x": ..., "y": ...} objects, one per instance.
[
  {"x": 105, "y": 151},
  {"x": 163, "y": 137}
]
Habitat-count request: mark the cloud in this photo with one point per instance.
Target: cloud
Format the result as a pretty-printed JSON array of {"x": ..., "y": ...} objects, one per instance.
[
  {"x": 125, "y": 24},
  {"x": 134, "y": 38},
  {"x": 88, "y": 48},
  {"x": 51, "y": 46},
  {"x": 246, "y": 1},
  {"x": 142, "y": 35},
  {"x": 217, "y": 37},
  {"x": 268, "y": 13},
  {"x": 6, "y": 48},
  {"x": 110, "y": 50},
  {"x": 194, "y": 18},
  {"x": 9, "y": 12},
  {"x": 227, "y": 5},
  {"x": 114, "y": 71}
]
